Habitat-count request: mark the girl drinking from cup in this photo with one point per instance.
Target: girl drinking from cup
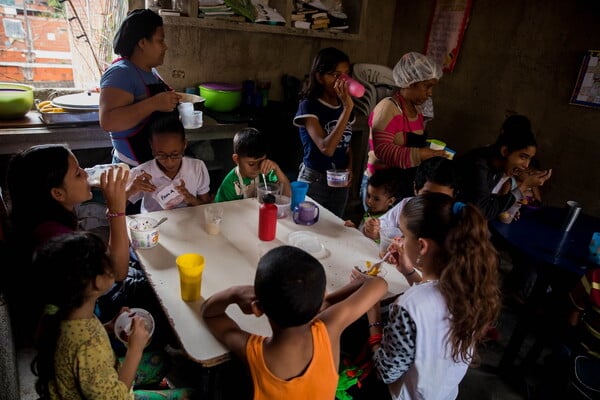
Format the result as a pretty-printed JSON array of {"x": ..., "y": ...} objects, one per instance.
[{"x": 325, "y": 120}]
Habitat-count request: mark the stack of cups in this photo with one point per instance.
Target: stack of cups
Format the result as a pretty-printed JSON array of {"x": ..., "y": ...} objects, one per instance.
[{"x": 190, "y": 118}]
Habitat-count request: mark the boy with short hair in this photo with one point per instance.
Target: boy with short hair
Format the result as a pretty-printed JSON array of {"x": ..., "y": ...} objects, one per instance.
[
  {"x": 170, "y": 180},
  {"x": 383, "y": 189},
  {"x": 249, "y": 155},
  {"x": 300, "y": 360},
  {"x": 436, "y": 174}
]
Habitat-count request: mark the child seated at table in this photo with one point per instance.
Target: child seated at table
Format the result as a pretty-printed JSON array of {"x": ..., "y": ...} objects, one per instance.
[
  {"x": 171, "y": 179},
  {"x": 382, "y": 194},
  {"x": 436, "y": 174},
  {"x": 252, "y": 168},
  {"x": 74, "y": 356},
  {"x": 300, "y": 360},
  {"x": 45, "y": 185}
]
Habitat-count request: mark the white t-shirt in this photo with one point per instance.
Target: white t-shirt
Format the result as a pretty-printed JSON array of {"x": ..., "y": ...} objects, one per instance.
[
  {"x": 193, "y": 172},
  {"x": 392, "y": 216},
  {"x": 434, "y": 375}
]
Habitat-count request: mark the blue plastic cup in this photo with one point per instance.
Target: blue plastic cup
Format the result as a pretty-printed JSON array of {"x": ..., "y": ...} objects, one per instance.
[{"x": 299, "y": 190}]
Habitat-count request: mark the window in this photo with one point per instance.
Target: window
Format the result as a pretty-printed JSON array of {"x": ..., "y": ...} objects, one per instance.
[{"x": 53, "y": 44}]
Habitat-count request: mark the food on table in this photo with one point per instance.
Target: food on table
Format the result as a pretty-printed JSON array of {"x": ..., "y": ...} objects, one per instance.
[{"x": 369, "y": 268}]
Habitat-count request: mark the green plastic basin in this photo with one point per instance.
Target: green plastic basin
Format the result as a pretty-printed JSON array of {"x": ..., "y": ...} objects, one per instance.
[
  {"x": 15, "y": 100},
  {"x": 221, "y": 97}
]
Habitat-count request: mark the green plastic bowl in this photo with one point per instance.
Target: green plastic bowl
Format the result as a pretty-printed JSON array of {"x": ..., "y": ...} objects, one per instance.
[
  {"x": 221, "y": 97},
  {"x": 15, "y": 100}
]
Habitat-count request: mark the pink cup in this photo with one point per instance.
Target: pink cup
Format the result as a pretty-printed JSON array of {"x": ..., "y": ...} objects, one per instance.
[{"x": 355, "y": 88}]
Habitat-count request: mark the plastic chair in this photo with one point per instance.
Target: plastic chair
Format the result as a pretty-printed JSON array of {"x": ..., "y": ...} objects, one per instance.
[
  {"x": 374, "y": 74},
  {"x": 584, "y": 382},
  {"x": 378, "y": 81}
]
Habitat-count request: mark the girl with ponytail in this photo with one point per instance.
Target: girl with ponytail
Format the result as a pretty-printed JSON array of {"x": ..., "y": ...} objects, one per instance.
[{"x": 426, "y": 347}]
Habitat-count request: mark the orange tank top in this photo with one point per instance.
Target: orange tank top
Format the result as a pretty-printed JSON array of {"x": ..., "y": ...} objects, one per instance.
[{"x": 319, "y": 380}]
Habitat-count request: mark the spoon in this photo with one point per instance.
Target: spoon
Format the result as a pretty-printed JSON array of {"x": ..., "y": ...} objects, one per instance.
[{"x": 163, "y": 219}]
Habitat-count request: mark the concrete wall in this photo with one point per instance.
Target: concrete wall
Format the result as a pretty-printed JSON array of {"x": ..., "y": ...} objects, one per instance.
[
  {"x": 210, "y": 55},
  {"x": 521, "y": 56}
]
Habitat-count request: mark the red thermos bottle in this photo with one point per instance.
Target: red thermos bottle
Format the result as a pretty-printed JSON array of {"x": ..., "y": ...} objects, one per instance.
[{"x": 267, "y": 218}]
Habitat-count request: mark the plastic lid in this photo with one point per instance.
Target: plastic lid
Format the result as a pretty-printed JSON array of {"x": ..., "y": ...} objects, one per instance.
[
  {"x": 221, "y": 86},
  {"x": 268, "y": 198}
]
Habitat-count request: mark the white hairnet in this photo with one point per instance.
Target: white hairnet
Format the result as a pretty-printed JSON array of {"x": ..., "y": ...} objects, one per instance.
[{"x": 415, "y": 67}]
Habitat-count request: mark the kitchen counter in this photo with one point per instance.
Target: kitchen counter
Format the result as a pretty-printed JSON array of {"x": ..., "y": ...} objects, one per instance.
[{"x": 31, "y": 130}]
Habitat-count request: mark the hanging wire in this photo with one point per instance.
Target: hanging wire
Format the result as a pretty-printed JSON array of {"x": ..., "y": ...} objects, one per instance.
[{"x": 83, "y": 33}]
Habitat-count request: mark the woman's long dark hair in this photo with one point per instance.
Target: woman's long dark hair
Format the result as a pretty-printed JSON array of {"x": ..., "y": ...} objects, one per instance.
[
  {"x": 516, "y": 134},
  {"x": 325, "y": 61},
  {"x": 467, "y": 265},
  {"x": 67, "y": 264}
]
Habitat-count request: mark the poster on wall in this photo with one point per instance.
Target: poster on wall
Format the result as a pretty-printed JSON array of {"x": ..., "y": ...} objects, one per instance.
[
  {"x": 587, "y": 88},
  {"x": 448, "y": 24}
]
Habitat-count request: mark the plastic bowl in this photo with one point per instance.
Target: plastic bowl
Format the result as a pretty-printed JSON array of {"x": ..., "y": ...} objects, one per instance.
[
  {"x": 143, "y": 235},
  {"x": 221, "y": 97},
  {"x": 124, "y": 320},
  {"x": 337, "y": 177},
  {"x": 435, "y": 144},
  {"x": 283, "y": 205},
  {"x": 272, "y": 188},
  {"x": 15, "y": 100}
]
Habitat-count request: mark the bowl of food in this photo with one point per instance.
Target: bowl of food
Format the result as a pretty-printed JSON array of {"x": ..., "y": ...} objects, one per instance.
[
  {"x": 15, "y": 100},
  {"x": 124, "y": 321},
  {"x": 144, "y": 232}
]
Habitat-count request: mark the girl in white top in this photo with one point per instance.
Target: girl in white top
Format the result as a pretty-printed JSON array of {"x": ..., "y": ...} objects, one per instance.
[
  {"x": 170, "y": 180},
  {"x": 425, "y": 349}
]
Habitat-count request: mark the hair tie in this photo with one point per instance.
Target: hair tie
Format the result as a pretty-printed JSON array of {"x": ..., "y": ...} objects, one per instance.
[
  {"x": 457, "y": 207},
  {"x": 50, "y": 309}
]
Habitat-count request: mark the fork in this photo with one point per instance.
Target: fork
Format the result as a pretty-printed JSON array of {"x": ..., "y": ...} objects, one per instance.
[{"x": 374, "y": 269}]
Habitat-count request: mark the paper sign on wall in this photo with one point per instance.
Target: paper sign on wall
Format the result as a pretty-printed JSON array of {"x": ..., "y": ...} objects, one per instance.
[
  {"x": 448, "y": 24},
  {"x": 587, "y": 88}
]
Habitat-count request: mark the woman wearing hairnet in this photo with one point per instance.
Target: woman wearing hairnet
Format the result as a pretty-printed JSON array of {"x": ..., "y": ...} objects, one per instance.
[
  {"x": 131, "y": 90},
  {"x": 397, "y": 134}
]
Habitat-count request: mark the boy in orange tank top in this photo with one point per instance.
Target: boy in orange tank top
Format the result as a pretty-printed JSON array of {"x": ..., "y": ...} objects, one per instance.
[{"x": 300, "y": 360}]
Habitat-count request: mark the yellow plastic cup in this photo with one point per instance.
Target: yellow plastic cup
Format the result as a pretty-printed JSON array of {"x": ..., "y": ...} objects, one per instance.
[{"x": 190, "y": 268}]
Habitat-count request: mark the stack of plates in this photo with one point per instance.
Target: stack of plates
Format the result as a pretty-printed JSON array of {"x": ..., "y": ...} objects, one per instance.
[{"x": 86, "y": 101}]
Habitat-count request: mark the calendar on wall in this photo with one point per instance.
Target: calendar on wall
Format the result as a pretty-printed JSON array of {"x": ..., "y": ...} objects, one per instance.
[
  {"x": 587, "y": 88},
  {"x": 447, "y": 27}
]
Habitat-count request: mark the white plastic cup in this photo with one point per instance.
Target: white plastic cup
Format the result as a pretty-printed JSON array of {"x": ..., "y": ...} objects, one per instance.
[
  {"x": 386, "y": 235},
  {"x": 213, "y": 215},
  {"x": 192, "y": 120},
  {"x": 185, "y": 108}
]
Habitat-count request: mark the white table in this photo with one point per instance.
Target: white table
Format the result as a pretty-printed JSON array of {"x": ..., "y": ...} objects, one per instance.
[{"x": 231, "y": 258}]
